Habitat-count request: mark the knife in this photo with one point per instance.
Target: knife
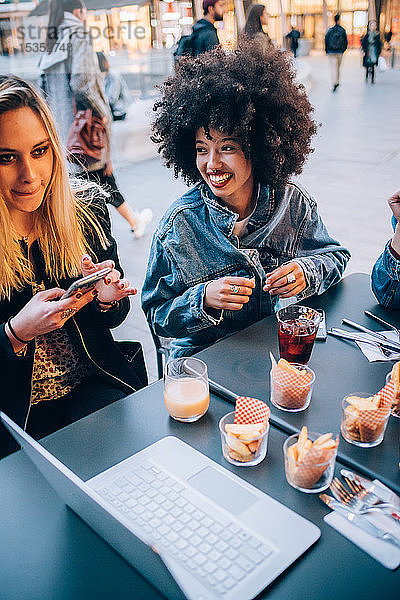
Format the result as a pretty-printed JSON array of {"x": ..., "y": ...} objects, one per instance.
[
  {"x": 374, "y": 334},
  {"x": 370, "y": 486},
  {"x": 358, "y": 337},
  {"x": 359, "y": 521},
  {"x": 381, "y": 321}
]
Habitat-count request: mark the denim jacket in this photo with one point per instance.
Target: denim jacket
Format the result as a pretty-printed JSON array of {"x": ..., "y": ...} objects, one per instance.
[
  {"x": 385, "y": 278},
  {"x": 194, "y": 244}
]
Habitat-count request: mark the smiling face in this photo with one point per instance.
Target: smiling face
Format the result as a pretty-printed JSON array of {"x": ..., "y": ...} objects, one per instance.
[
  {"x": 225, "y": 169},
  {"x": 26, "y": 162}
]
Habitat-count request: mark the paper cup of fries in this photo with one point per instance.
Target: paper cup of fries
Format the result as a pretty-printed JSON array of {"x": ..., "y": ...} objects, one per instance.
[
  {"x": 394, "y": 376},
  {"x": 291, "y": 385},
  {"x": 310, "y": 460},
  {"x": 243, "y": 445},
  {"x": 364, "y": 419}
]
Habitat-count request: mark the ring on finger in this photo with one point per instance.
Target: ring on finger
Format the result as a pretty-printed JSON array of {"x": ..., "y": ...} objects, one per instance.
[
  {"x": 235, "y": 289},
  {"x": 68, "y": 312},
  {"x": 291, "y": 278}
]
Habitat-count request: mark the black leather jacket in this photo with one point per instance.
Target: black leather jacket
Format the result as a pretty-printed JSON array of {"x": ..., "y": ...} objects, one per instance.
[{"x": 88, "y": 330}]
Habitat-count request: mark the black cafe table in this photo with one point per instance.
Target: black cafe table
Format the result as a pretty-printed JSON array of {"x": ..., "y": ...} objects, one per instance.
[
  {"x": 48, "y": 553},
  {"x": 241, "y": 363}
]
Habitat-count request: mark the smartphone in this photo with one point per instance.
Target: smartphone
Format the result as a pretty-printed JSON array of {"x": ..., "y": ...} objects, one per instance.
[
  {"x": 86, "y": 283},
  {"x": 321, "y": 333}
]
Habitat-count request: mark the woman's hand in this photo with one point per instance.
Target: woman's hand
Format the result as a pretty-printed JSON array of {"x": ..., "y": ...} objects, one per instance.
[
  {"x": 228, "y": 293},
  {"x": 45, "y": 313},
  {"x": 286, "y": 281},
  {"x": 111, "y": 288},
  {"x": 394, "y": 203}
]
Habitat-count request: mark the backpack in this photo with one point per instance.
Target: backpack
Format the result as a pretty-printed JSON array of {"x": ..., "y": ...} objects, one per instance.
[
  {"x": 185, "y": 46},
  {"x": 336, "y": 40}
]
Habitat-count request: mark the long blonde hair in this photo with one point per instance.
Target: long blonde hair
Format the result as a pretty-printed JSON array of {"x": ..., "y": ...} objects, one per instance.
[{"x": 65, "y": 212}]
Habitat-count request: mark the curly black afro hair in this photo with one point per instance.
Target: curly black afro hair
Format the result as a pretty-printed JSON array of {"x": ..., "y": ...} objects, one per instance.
[{"x": 250, "y": 92}]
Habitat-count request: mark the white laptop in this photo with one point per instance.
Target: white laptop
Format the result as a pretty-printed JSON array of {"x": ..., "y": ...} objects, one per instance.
[{"x": 192, "y": 528}]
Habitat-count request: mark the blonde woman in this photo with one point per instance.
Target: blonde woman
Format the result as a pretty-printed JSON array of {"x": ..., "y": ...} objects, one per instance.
[{"x": 58, "y": 360}]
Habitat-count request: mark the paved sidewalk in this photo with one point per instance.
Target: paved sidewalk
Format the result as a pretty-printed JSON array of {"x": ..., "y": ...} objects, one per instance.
[{"x": 354, "y": 169}]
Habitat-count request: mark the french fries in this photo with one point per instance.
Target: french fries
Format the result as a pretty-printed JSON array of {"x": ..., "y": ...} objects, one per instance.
[
  {"x": 364, "y": 420},
  {"x": 307, "y": 461},
  {"x": 243, "y": 441}
]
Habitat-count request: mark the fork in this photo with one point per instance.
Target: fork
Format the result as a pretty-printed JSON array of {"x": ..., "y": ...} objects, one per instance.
[
  {"x": 361, "y": 500},
  {"x": 341, "y": 333}
]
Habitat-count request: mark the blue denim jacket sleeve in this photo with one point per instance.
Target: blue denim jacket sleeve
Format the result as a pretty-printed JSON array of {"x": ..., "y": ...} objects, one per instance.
[
  {"x": 385, "y": 279},
  {"x": 170, "y": 308},
  {"x": 321, "y": 257}
]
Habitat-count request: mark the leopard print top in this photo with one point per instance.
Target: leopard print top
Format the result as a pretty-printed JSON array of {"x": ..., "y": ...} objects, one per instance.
[{"x": 57, "y": 367}]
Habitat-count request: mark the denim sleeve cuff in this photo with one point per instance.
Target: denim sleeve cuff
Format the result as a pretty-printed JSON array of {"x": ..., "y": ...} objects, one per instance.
[
  {"x": 310, "y": 275},
  {"x": 391, "y": 264},
  {"x": 207, "y": 316}
]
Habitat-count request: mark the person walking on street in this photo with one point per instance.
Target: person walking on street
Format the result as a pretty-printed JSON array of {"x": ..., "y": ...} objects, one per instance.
[
  {"x": 72, "y": 81},
  {"x": 256, "y": 18},
  {"x": 293, "y": 39},
  {"x": 205, "y": 36},
  {"x": 372, "y": 46},
  {"x": 335, "y": 46}
]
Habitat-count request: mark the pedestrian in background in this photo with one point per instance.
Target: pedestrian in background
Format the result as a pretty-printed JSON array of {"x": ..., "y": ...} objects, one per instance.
[
  {"x": 335, "y": 46},
  {"x": 117, "y": 91},
  {"x": 72, "y": 81},
  {"x": 372, "y": 46},
  {"x": 205, "y": 36},
  {"x": 69, "y": 69},
  {"x": 256, "y": 18},
  {"x": 293, "y": 38}
]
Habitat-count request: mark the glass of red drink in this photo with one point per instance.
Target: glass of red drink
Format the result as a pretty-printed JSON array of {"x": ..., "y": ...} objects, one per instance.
[{"x": 297, "y": 328}]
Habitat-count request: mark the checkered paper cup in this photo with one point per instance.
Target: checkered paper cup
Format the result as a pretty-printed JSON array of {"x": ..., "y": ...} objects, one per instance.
[
  {"x": 366, "y": 428},
  {"x": 314, "y": 472},
  {"x": 245, "y": 448},
  {"x": 251, "y": 410},
  {"x": 395, "y": 412},
  {"x": 291, "y": 391}
]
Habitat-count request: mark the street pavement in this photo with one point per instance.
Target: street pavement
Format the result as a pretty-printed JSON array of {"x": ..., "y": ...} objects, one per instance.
[{"x": 353, "y": 171}]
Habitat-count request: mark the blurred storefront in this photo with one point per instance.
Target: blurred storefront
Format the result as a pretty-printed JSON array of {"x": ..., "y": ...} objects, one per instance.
[
  {"x": 313, "y": 17},
  {"x": 11, "y": 19},
  {"x": 138, "y": 26}
]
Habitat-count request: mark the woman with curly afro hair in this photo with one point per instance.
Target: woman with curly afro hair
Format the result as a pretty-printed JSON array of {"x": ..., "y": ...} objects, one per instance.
[{"x": 236, "y": 126}]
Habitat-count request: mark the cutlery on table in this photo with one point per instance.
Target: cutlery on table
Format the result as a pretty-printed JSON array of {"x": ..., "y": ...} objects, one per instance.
[
  {"x": 386, "y": 348},
  {"x": 374, "y": 334},
  {"x": 381, "y": 493},
  {"x": 359, "y": 521},
  {"x": 361, "y": 500},
  {"x": 382, "y": 322}
]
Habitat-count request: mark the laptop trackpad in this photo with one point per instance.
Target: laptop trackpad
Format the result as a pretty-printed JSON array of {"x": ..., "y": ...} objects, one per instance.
[{"x": 222, "y": 490}]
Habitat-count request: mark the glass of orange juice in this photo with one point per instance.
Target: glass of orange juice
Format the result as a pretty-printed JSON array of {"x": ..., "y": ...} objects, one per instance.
[{"x": 186, "y": 391}]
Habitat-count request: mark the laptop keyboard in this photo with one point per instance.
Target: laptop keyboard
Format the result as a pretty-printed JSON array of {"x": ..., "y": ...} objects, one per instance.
[{"x": 216, "y": 550}]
